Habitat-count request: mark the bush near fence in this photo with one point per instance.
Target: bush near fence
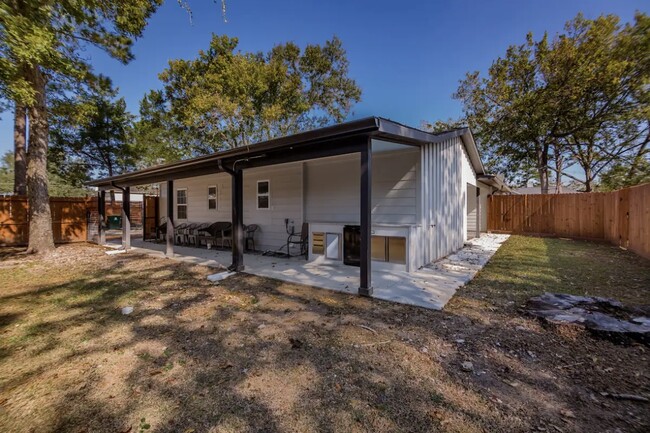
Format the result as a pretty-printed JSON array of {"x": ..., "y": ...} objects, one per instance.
[
  {"x": 69, "y": 218},
  {"x": 621, "y": 217}
]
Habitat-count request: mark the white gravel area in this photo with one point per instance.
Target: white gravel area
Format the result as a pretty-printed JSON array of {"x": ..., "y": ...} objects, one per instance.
[{"x": 465, "y": 263}]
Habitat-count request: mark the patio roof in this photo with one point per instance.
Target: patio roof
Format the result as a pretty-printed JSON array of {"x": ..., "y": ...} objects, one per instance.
[{"x": 327, "y": 141}]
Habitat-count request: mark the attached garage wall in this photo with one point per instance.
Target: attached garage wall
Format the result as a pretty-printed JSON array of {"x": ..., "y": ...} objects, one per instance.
[
  {"x": 445, "y": 173},
  {"x": 472, "y": 211},
  {"x": 486, "y": 190}
]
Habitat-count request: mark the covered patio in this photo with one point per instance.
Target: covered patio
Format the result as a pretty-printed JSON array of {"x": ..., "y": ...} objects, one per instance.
[
  {"x": 429, "y": 287},
  {"x": 344, "y": 139}
]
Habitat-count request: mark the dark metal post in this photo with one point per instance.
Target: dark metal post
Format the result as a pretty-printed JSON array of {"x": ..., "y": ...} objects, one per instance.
[
  {"x": 237, "y": 178},
  {"x": 126, "y": 218},
  {"x": 365, "y": 288},
  {"x": 101, "y": 210},
  {"x": 170, "y": 219},
  {"x": 478, "y": 211}
]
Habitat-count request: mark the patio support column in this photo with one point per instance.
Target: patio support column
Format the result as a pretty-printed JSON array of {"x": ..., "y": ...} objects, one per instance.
[
  {"x": 478, "y": 211},
  {"x": 237, "y": 178},
  {"x": 365, "y": 211},
  {"x": 101, "y": 210},
  {"x": 170, "y": 219},
  {"x": 126, "y": 218}
]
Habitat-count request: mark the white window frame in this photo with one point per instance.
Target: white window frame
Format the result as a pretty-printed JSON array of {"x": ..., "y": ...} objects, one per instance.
[
  {"x": 182, "y": 204},
  {"x": 258, "y": 195},
  {"x": 215, "y": 198}
]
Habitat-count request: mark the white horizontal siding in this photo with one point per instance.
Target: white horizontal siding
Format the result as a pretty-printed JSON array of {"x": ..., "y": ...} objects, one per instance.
[
  {"x": 332, "y": 188},
  {"x": 286, "y": 202}
]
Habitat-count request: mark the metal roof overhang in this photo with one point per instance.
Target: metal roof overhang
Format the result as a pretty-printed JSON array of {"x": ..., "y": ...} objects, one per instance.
[{"x": 333, "y": 140}]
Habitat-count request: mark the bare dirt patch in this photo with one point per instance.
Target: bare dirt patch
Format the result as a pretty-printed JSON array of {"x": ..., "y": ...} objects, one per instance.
[{"x": 259, "y": 355}]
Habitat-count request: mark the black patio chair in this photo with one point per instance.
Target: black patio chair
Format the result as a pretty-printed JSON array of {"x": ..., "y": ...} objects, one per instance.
[
  {"x": 249, "y": 232},
  {"x": 161, "y": 232},
  {"x": 214, "y": 234},
  {"x": 249, "y": 236},
  {"x": 301, "y": 239}
]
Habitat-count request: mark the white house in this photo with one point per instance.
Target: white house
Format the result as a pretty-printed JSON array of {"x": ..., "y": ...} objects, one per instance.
[{"x": 374, "y": 193}]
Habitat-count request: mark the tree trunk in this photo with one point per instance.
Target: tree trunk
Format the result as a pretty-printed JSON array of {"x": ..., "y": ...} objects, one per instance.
[
  {"x": 588, "y": 179},
  {"x": 41, "y": 238},
  {"x": 20, "y": 145},
  {"x": 559, "y": 167},
  {"x": 542, "y": 169}
]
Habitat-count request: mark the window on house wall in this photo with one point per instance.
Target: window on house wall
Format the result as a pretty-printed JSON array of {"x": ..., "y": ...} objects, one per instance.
[
  {"x": 181, "y": 204},
  {"x": 263, "y": 194},
  {"x": 212, "y": 197}
]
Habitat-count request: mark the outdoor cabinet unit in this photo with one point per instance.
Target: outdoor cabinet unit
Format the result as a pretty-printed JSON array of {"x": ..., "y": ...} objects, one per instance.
[{"x": 390, "y": 249}]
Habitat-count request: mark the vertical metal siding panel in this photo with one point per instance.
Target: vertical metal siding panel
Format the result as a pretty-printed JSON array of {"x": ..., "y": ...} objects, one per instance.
[
  {"x": 427, "y": 220},
  {"x": 424, "y": 182}
]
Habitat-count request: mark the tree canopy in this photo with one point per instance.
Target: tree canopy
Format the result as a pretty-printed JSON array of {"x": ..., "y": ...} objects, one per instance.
[
  {"x": 91, "y": 135},
  {"x": 225, "y": 98},
  {"x": 577, "y": 100}
]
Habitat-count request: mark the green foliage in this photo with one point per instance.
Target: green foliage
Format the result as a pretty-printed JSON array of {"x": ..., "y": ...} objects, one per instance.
[
  {"x": 90, "y": 135},
  {"x": 578, "y": 99},
  {"x": 622, "y": 175},
  {"x": 225, "y": 98},
  {"x": 59, "y": 187},
  {"x": 51, "y": 35}
]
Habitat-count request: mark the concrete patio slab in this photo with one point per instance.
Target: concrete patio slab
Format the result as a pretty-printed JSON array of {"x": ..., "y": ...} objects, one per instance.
[{"x": 429, "y": 287}]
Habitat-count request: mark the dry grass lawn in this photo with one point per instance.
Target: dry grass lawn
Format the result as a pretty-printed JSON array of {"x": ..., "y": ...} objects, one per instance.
[{"x": 258, "y": 355}]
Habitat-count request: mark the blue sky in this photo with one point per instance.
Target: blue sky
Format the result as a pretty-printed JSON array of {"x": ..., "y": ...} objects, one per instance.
[{"x": 407, "y": 56}]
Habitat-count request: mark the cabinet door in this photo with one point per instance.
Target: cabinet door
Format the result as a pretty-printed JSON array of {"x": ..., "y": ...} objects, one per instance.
[
  {"x": 378, "y": 248},
  {"x": 397, "y": 250}
]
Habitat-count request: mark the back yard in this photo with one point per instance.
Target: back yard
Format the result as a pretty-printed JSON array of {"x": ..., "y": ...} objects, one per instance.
[{"x": 257, "y": 355}]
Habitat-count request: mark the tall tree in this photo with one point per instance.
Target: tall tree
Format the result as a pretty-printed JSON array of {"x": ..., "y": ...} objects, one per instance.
[
  {"x": 42, "y": 38},
  {"x": 225, "y": 98},
  {"x": 598, "y": 73},
  {"x": 579, "y": 99},
  {"x": 90, "y": 135},
  {"x": 20, "y": 150}
]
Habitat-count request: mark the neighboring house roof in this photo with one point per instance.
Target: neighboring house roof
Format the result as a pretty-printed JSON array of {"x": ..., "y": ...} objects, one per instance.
[
  {"x": 321, "y": 141},
  {"x": 496, "y": 181},
  {"x": 538, "y": 190}
]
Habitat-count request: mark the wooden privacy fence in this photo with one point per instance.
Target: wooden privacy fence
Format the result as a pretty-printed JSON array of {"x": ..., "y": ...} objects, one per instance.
[
  {"x": 621, "y": 217},
  {"x": 70, "y": 218}
]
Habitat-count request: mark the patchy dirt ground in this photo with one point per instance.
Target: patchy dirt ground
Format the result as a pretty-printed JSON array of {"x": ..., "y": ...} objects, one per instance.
[{"x": 258, "y": 355}]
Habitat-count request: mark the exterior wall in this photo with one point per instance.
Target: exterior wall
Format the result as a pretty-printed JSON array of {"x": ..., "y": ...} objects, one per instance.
[
  {"x": 486, "y": 190},
  {"x": 332, "y": 188},
  {"x": 469, "y": 186},
  {"x": 445, "y": 174},
  {"x": 286, "y": 202},
  {"x": 471, "y": 211}
]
